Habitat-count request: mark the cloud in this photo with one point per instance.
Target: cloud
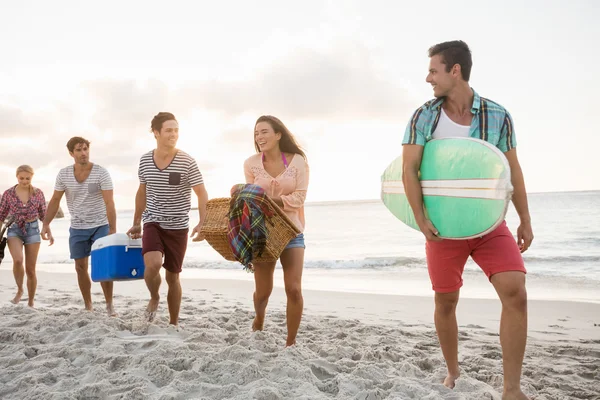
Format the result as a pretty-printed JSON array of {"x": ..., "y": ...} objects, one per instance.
[
  {"x": 126, "y": 104},
  {"x": 16, "y": 123},
  {"x": 309, "y": 87},
  {"x": 27, "y": 136},
  {"x": 338, "y": 83},
  {"x": 15, "y": 154}
]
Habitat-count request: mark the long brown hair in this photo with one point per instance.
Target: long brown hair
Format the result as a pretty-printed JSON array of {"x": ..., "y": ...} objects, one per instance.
[{"x": 287, "y": 143}]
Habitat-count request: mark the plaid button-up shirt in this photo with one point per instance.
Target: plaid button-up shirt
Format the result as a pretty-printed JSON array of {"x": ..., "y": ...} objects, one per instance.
[
  {"x": 491, "y": 122},
  {"x": 11, "y": 205}
]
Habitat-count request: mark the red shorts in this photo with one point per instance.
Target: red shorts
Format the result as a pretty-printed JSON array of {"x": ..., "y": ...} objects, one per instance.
[
  {"x": 495, "y": 252},
  {"x": 171, "y": 243}
]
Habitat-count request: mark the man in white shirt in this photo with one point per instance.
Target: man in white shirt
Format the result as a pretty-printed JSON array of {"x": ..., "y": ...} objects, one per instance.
[{"x": 89, "y": 191}]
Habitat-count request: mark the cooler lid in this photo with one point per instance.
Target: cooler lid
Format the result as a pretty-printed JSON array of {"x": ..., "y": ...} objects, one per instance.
[{"x": 116, "y": 239}]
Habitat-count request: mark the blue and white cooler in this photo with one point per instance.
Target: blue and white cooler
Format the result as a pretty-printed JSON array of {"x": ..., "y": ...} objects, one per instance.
[{"x": 117, "y": 257}]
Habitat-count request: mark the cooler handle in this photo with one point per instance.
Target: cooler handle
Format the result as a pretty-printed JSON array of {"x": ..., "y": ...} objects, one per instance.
[{"x": 132, "y": 246}]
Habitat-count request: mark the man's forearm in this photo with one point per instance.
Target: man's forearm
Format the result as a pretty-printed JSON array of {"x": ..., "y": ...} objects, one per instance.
[
  {"x": 51, "y": 211},
  {"x": 111, "y": 214},
  {"x": 140, "y": 206},
  {"x": 414, "y": 195},
  {"x": 202, "y": 200},
  {"x": 519, "y": 197}
]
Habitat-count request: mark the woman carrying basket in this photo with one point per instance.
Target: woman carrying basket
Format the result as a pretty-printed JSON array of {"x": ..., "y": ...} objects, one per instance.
[
  {"x": 280, "y": 168},
  {"x": 26, "y": 205}
]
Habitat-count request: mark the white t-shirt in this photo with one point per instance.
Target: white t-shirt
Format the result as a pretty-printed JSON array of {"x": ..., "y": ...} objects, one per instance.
[
  {"x": 84, "y": 200},
  {"x": 446, "y": 128}
]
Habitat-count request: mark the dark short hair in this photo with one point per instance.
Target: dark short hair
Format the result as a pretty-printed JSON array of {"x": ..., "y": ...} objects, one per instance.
[
  {"x": 454, "y": 52},
  {"x": 74, "y": 141},
  {"x": 159, "y": 119}
]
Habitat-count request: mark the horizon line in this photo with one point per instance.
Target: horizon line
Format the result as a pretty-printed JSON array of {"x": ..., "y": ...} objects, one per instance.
[{"x": 372, "y": 200}]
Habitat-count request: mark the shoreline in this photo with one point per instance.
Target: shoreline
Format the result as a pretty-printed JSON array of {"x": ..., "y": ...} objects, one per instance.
[
  {"x": 383, "y": 281},
  {"x": 548, "y": 319}
]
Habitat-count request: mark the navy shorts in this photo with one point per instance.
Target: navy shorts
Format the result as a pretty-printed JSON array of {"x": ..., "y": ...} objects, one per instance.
[{"x": 81, "y": 240}]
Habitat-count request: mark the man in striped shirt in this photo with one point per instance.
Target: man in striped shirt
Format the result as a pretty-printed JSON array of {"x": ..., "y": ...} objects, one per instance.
[
  {"x": 167, "y": 177},
  {"x": 89, "y": 191},
  {"x": 459, "y": 111}
]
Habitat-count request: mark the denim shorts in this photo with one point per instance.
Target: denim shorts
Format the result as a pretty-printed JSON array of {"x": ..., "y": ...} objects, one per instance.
[
  {"x": 81, "y": 240},
  {"x": 298, "y": 241},
  {"x": 32, "y": 236}
]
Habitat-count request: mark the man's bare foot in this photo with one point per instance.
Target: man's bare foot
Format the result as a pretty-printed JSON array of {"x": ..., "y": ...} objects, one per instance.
[
  {"x": 17, "y": 298},
  {"x": 257, "y": 324},
  {"x": 30, "y": 303},
  {"x": 151, "y": 309},
  {"x": 514, "y": 395},
  {"x": 450, "y": 380},
  {"x": 110, "y": 310},
  {"x": 288, "y": 343},
  {"x": 89, "y": 307}
]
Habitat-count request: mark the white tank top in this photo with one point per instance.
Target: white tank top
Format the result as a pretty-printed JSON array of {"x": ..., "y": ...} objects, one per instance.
[{"x": 448, "y": 128}]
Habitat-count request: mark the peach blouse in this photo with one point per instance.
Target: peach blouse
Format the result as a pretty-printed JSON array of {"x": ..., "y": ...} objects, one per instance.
[{"x": 290, "y": 186}]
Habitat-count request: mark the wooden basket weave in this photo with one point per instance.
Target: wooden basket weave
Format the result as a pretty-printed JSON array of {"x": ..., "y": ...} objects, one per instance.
[{"x": 215, "y": 230}]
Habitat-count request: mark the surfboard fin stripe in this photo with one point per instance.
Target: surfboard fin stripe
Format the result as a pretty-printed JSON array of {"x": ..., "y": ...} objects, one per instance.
[
  {"x": 460, "y": 193},
  {"x": 498, "y": 189},
  {"x": 458, "y": 183}
]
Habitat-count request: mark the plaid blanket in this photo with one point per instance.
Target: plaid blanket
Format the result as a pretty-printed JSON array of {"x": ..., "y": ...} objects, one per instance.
[{"x": 247, "y": 229}]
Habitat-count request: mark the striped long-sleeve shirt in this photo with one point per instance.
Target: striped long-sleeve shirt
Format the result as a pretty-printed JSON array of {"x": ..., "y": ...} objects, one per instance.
[{"x": 491, "y": 122}]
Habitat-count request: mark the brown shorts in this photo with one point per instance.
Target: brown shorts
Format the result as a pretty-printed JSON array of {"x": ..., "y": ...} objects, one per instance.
[{"x": 171, "y": 243}]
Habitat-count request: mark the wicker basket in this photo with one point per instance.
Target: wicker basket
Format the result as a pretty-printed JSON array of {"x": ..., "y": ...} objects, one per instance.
[{"x": 215, "y": 230}]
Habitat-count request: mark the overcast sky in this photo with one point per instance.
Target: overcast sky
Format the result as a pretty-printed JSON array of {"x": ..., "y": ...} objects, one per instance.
[{"x": 344, "y": 76}]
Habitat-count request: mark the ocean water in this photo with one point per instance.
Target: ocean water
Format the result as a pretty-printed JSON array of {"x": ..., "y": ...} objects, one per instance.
[{"x": 363, "y": 247}]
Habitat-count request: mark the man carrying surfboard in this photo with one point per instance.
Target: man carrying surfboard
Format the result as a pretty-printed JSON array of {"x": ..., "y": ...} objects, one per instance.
[{"x": 459, "y": 111}]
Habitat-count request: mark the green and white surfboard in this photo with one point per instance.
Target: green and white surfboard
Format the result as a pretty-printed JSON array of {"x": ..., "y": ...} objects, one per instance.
[{"x": 466, "y": 187}]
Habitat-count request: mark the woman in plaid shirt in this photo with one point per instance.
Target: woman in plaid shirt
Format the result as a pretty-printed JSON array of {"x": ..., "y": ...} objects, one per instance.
[{"x": 25, "y": 205}]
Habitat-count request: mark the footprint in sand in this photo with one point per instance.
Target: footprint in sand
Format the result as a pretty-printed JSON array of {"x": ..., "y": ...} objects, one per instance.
[
  {"x": 472, "y": 326},
  {"x": 556, "y": 327}
]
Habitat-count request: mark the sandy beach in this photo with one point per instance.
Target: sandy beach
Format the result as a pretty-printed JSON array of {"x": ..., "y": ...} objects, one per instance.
[{"x": 350, "y": 346}]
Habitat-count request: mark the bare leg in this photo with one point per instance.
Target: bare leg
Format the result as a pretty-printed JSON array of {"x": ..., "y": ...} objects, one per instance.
[
  {"x": 292, "y": 261},
  {"x": 510, "y": 287},
  {"x": 263, "y": 282},
  {"x": 85, "y": 283},
  {"x": 447, "y": 331},
  {"x": 31, "y": 254},
  {"x": 15, "y": 245},
  {"x": 152, "y": 265},
  {"x": 173, "y": 296},
  {"x": 107, "y": 288}
]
